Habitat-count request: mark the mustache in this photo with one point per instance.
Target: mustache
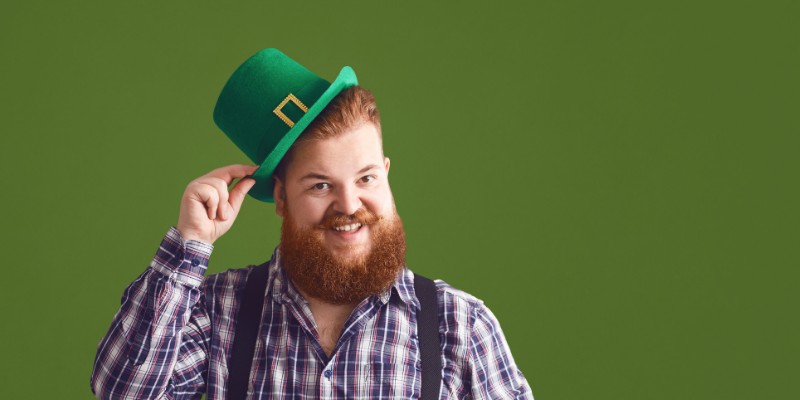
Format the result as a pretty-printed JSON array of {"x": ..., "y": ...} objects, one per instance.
[{"x": 361, "y": 216}]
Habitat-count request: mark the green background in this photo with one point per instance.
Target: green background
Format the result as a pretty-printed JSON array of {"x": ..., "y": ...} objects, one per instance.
[{"x": 617, "y": 180}]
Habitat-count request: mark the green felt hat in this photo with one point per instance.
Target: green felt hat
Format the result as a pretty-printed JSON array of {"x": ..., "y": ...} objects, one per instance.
[{"x": 267, "y": 103}]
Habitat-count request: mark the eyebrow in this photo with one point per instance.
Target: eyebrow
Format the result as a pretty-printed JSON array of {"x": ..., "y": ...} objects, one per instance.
[{"x": 317, "y": 175}]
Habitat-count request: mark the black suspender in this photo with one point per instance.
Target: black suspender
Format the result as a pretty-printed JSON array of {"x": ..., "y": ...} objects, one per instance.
[
  {"x": 430, "y": 352},
  {"x": 249, "y": 318},
  {"x": 244, "y": 340}
]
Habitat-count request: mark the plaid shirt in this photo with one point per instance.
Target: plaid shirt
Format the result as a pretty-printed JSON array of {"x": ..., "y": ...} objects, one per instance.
[{"x": 172, "y": 338}]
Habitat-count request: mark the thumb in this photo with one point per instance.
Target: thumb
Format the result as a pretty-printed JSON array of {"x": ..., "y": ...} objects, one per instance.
[{"x": 240, "y": 189}]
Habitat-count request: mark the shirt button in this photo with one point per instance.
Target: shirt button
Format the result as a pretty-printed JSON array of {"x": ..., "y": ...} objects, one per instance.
[{"x": 328, "y": 373}]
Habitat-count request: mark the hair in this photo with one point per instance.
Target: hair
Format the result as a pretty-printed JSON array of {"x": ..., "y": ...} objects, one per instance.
[{"x": 348, "y": 110}]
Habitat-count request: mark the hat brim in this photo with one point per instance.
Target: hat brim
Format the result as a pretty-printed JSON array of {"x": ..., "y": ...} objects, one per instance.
[{"x": 263, "y": 189}]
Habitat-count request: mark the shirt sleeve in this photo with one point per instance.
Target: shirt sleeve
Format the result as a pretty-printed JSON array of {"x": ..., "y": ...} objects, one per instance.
[
  {"x": 158, "y": 343},
  {"x": 494, "y": 373}
]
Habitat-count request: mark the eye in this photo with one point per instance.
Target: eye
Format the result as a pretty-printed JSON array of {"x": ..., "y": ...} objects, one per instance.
[
  {"x": 321, "y": 186},
  {"x": 368, "y": 178}
]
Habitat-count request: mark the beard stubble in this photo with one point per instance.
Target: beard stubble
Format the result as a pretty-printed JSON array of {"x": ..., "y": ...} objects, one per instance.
[{"x": 321, "y": 274}]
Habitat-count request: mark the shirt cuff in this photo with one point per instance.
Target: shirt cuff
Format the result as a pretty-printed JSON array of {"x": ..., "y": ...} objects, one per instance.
[{"x": 185, "y": 261}]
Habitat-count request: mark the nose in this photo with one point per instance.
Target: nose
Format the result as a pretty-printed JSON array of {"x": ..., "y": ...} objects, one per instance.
[{"x": 347, "y": 201}]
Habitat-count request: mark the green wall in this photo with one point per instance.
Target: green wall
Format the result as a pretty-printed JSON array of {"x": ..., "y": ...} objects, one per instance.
[{"x": 617, "y": 180}]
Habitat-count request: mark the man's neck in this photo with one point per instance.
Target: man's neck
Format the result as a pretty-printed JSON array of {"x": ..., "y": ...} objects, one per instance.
[{"x": 330, "y": 319}]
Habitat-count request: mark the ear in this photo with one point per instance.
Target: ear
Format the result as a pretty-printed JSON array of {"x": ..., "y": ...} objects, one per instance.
[
  {"x": 386, "y": 163},
  {"x": 279, "y": 195}
]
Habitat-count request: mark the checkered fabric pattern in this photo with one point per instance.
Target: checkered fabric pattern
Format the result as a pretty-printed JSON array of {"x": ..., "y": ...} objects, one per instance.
[{"x": 172, "y": 339}]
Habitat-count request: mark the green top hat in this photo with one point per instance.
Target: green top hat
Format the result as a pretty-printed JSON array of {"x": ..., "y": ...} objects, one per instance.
[{"x": 267, "y": 103}]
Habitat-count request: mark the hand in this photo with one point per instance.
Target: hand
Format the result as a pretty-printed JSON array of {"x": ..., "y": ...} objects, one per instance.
[{"x": 207, "y": 208}]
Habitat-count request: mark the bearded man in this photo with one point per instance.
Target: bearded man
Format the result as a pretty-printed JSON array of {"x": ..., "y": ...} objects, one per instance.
[{"x": 335, "y": 313}]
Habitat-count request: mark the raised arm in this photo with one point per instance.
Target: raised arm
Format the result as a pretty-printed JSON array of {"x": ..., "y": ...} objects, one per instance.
[{"x": 158, "y": 343}]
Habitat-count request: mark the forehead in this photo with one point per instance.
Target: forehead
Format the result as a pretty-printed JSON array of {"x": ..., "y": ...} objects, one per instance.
[{"x": 353, "y": 149}]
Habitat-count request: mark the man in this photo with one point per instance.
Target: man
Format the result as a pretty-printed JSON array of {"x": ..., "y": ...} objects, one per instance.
[{"x": 340, "y": 315}]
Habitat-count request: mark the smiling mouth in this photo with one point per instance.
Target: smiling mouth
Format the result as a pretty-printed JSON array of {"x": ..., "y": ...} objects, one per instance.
[
  {"x": 348, "y": 227},
  {"x": 349, "y": 224}
]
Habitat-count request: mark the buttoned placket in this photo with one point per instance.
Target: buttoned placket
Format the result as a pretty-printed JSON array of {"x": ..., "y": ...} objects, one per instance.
[{"x": 326, "y": 380}]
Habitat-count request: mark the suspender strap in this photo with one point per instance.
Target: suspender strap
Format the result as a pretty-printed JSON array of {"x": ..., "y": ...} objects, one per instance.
[
  {"x": 244, "y": 340},
  {"x": 428, "y": 331}
]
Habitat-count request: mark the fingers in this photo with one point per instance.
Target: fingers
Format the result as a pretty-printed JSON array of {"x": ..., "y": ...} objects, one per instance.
[
  {"x": 231, "y": 172},
  {"x": 221, "y": 204},
  {"x": 208, "y": 195},
  {"x": 238, "y": 192},
  {"x": 212, "y": 190},
  {"x": 222, "y": 212},
  {"x": 229, "y": 206},
  {"x": 220, "y": 179},
  {"x": 207, "y": 208}
]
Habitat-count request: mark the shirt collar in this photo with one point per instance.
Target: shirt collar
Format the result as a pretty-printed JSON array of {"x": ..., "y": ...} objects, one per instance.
[{"x": 404, "y": 287}]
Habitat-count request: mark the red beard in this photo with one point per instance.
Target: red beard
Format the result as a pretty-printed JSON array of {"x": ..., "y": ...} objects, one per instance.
[{"x": 319, "y": 273}]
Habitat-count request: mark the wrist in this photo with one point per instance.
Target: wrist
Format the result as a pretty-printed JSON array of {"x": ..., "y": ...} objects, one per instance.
[
  {"x": 182, "y": 259},
  {"x": 189, "y": 234}
]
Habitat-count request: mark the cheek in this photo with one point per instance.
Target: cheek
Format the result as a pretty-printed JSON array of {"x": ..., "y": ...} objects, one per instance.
[
  {"x": 306, "y": 211},
  {"x": 382, "y": 203}
]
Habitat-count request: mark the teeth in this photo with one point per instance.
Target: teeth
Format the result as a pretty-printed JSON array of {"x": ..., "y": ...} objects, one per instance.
[{"x": 348, "y": 228}]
